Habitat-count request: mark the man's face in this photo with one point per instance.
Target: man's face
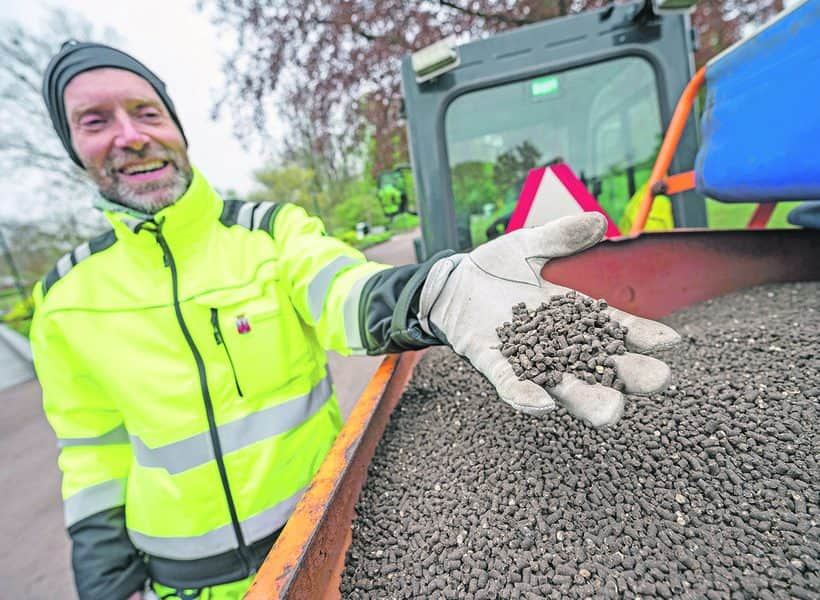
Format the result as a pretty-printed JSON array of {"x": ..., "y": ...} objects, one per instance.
[{"x": 126, "y": 139}]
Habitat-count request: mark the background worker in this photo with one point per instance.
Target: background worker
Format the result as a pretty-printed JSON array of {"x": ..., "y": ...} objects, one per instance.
[{"x": 182, "y": 353}]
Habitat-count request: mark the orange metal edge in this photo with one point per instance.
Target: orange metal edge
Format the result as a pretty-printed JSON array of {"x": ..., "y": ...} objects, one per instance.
[
  {"x": 670, "y": 144},
  {"x": 299, "y": 564}
]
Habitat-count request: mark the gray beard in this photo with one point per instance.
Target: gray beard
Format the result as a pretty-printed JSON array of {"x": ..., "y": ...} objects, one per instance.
[{"x": 126, "y": 196}]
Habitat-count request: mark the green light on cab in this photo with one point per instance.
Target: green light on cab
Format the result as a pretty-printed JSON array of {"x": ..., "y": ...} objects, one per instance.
[{"x": 543, "y": 86}]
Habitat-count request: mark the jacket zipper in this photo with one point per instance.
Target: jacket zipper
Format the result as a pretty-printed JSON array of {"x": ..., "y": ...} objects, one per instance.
[
  {"x": 220, "y": 341},
  {"x": 168, "y": 259}
]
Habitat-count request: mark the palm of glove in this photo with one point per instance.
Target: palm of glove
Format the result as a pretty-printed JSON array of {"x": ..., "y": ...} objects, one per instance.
[{"x": 466, "y": 297}]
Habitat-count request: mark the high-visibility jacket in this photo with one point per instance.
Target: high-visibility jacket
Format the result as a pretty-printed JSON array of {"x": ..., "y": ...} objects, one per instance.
[{"x": 183, "y": 371}]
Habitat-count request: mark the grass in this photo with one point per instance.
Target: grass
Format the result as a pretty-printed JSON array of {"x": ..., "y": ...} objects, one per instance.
[{"x": 372, "y": 240}]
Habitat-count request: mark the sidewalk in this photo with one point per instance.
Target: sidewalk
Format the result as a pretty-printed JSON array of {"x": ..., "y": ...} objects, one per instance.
[{"x": 15, "y": 359}]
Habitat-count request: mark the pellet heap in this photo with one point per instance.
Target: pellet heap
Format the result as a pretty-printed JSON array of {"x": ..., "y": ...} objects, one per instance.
[
  {"x": 569, "y": 334},
  {"x": 709, "y": 489}
]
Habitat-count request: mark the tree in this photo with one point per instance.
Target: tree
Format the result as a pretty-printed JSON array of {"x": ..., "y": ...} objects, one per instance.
[
  {"x": 336, "y": 65},
  {"x": 354, "y": 200},
  {"x": 473, "y": 186},
  {"x": 290, "y": 183},
  {"x": 512, "y": 166},
  {"x": 49, "y": 212},
  {"x": 720, "y": 23},
  {"x": 27, "y": 140},
  {"x": 360, "y": 204}
]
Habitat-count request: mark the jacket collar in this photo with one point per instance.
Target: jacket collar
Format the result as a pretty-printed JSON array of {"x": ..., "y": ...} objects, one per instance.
[{"x": 188, "y": 217}]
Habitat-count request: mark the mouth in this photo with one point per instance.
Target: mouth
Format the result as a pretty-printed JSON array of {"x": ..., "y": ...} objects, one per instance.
[{"x": 145, "y": 171}]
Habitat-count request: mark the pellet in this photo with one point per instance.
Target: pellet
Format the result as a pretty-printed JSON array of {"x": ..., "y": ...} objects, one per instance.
[
  {"x": 569, "y": 341},
  {"x": 694, "y": 493}
]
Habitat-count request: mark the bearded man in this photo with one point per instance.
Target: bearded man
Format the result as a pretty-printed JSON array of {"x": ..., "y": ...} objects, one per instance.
[{"x": 182, "y": 353}]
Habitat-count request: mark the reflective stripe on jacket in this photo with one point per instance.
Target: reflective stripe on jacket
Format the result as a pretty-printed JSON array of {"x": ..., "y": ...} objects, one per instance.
[{"x": 183, "y": 369}]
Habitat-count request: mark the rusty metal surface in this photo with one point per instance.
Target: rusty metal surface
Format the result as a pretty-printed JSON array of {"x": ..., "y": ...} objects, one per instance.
[
  {"x": 657, "y": 273},
  {"x": 308, "y": 558}
]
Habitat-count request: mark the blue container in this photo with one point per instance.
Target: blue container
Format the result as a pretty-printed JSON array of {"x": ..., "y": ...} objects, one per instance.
[{"x": 761, "y": 123}]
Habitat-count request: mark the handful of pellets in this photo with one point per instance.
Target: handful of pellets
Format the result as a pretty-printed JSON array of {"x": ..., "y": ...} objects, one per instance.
[{"x": 569, "y": 334}]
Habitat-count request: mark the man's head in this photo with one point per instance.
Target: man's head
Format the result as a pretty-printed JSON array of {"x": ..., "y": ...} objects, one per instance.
[{"x": 118, "y": 123}]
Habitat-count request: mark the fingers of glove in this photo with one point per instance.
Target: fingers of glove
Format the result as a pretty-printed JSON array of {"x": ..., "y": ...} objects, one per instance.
[
  {"x": 510, "y": 256},
  {"x": 527, "y": 397},
  {"x": 596, "y": 404},
  {"x": 642, "y": 374},
  {"x": 564, "y": 236},
  {"x": 524, "y": 396},
  {"x": 645, "y": 335}
]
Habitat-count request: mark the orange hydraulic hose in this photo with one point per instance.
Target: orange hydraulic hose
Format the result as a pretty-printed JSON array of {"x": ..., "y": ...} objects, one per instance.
[{"x": 670, "y": 144}]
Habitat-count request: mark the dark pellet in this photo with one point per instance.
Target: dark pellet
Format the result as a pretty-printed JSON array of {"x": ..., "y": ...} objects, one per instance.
[{"x": 698, "y": 492}]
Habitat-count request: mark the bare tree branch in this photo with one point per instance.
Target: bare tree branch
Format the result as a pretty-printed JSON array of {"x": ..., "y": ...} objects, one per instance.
[{"x": 500, "y": 17}]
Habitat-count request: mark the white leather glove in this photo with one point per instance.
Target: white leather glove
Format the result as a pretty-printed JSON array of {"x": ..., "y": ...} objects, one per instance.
[{"x": 467, "y": 296}]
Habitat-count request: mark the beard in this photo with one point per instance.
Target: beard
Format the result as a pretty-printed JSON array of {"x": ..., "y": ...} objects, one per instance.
[{"x": 147, "y": 197}]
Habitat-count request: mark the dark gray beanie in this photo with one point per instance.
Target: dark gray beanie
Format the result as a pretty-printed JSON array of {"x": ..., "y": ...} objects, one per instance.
[{"x": 77, "y": 57}]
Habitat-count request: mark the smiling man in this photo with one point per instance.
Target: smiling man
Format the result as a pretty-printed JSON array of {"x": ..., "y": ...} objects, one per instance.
[
  {"x": 182, "y": 353},
  {"x": 146, "y": 168}
]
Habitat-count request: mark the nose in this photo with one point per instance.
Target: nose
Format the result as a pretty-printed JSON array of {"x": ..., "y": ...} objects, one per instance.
[{"x": 129, "y": 135}]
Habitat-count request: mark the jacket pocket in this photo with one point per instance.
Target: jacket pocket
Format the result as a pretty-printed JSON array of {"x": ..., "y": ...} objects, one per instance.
[{"x": 258, "y": 336}]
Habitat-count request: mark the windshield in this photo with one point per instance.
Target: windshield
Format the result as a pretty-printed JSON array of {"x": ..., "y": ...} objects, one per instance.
[{"x": 602, "y": 120}]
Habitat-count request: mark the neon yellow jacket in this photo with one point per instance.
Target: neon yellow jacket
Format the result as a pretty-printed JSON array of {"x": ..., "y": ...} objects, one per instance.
[{"x": 183, "y": 371}]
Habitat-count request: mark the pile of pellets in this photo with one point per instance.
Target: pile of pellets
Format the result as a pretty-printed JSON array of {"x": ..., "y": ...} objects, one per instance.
[
  {"x": 706, "y": 490},
  {"x": 569, "y": 334}
]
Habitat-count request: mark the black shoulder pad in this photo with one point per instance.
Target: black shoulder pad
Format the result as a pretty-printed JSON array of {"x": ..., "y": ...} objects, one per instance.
[
  {"x": 250, "y": 215},
  {"x": 79, "y": 254}
]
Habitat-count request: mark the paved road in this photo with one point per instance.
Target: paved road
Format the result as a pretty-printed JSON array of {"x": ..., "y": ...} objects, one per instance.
[{"x": 34, "y": 548}]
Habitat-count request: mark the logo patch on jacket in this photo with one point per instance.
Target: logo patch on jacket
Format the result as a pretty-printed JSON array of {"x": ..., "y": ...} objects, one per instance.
[{"x": 242, "y": 324}]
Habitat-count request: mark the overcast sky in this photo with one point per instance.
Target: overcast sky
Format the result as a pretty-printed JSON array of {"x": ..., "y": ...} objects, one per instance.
[{"x": 180, "y": 44}]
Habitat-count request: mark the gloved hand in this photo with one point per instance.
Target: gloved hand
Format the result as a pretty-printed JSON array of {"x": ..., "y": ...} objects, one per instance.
[{"x": 466, "y": 296}]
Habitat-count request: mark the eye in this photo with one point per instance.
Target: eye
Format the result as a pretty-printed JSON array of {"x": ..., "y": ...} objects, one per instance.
[
  {"x": 149, "y": 113},
  {"x": 92, "y": 122}
]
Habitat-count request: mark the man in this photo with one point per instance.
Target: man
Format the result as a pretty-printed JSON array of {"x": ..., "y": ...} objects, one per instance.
[{"x": 181, "y": 354}]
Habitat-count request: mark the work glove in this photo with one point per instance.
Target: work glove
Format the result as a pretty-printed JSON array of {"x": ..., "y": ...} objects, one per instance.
[{"x": 465, "y": 297}]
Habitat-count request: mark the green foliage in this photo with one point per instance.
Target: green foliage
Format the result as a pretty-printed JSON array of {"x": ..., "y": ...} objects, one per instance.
[
  {"x": 351, "y": 238},
  {"x": 348, "y": 237},
  {"x": 512, "y": 166},
  {"x": 614, "y": 194},
  {"x": 390, "y": 198},
  {"x": 404, "y": 222},
  {"x": 19, "y": 315},
  {"x": 360, "y": 205},
  {"x": 341, "y": 204},
  {"x": 474, "y": 186},
  {"x": 410, "y": 189},
  {"x": 290, "y": 183},
  {"x": 372, "y": 240},
  {"x": 480, "y": 223}
]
